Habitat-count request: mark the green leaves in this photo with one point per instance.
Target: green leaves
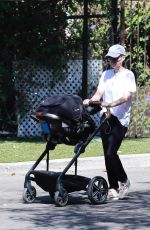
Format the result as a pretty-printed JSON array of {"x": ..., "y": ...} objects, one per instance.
[{"x": 137, "y": 20}]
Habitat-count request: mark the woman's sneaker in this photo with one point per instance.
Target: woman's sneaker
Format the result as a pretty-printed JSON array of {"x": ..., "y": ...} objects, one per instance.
[
  {"x": 124, "y": 189},
  {"x": 113, "y": 194}
]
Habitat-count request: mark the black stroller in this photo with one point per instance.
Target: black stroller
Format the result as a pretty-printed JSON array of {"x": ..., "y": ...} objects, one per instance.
[{"x": 65, "y": 120}]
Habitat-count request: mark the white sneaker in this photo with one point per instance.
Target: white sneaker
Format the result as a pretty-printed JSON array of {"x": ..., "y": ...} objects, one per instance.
[
  {"x": 124, "y": 189},
  {"x": 113, "y": 194}
]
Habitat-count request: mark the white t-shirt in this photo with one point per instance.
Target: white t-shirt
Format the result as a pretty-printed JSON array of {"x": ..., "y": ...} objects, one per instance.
[{"x": 114, "y": 85}]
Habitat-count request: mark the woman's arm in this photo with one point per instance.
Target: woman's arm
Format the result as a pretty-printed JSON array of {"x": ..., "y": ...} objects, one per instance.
[
  {"x": 96, "y": 97},
  {"x": 120, "y": 101}
]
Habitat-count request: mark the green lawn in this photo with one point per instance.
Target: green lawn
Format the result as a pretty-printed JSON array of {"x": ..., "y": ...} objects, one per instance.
[{"x": 20, "y": 149}]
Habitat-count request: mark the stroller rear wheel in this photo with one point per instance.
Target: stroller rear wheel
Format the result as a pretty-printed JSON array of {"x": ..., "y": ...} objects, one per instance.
[
  {"x": 97, "y": 190},
  {"x": 61, "y": 199},
  {"x": 29, "y": 195}
]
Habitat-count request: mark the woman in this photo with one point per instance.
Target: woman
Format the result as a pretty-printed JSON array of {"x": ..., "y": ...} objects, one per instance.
[{"x": 115, "y": 88}]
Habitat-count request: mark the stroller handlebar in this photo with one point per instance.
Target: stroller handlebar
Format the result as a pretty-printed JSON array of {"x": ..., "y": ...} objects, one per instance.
[
  {"x": 94, "y": 103},
  {"x": 93, "y": 107},
  {"x": 98, "y": 107}
]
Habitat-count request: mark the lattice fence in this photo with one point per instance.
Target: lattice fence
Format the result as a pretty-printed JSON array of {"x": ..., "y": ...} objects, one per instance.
[{"x": 41, "y": 85}]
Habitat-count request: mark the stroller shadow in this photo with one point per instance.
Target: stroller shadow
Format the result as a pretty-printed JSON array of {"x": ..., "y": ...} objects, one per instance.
[
  {"x": 81, "y": 198},
  {"x": 74, "y": 198}
]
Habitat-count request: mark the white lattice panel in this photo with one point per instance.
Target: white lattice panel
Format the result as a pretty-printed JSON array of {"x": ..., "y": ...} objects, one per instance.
[{"x": 42, "y": 87}]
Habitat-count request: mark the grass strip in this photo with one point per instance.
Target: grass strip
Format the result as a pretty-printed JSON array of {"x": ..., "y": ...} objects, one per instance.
[{"x": 21, "y": 149}]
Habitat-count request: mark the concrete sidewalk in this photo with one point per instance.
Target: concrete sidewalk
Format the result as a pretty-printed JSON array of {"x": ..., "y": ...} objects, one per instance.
[
  {"x": 129, "y": 161},
  {"x": 79, "y": 214}
]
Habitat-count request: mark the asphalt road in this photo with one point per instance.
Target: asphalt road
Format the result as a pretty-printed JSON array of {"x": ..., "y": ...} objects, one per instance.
[{"x": 79, "y": 214}]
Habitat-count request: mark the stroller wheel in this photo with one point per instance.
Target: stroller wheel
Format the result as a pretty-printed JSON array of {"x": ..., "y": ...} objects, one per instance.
[
  {"x": 29, "y": 197},
  {"x": 61, "y": 200},
  {"x": 97, "y": 190}
]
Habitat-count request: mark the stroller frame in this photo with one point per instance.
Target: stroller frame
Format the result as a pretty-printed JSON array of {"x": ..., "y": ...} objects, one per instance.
[{"x": 59, "y": 184}]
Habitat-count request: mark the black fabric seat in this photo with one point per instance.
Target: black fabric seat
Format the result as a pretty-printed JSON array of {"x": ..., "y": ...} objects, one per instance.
[{"x": 66, "y": 117}]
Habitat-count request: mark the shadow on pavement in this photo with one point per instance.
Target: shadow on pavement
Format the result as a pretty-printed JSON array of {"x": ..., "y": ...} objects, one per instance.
[{"x": 127, "y": 214}]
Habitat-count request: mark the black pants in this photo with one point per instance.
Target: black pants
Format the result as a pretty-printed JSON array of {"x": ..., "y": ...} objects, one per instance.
[{"x": 112, "y": 134}]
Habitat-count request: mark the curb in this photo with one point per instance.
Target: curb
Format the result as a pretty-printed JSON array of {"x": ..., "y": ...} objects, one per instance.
[{"x": 89, "y": 163}]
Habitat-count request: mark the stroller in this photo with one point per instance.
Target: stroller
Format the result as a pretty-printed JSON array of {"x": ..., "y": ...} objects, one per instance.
[{"x": 65, "y": 120}]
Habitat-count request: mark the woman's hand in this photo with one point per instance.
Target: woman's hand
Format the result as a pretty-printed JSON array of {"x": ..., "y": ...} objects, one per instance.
[
  {"x": 86, "y": 102},
  {"x": 105, "y": 104}
]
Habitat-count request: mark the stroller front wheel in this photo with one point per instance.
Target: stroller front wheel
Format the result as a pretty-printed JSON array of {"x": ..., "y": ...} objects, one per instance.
[
  {"x": 29, "y": 196},
  {"x": 97, "y": 190},
  {"x": 61, "y": 199}
]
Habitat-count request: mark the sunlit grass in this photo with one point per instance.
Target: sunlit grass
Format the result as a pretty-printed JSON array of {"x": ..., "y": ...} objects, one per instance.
[{"x": 20, "y": 150}]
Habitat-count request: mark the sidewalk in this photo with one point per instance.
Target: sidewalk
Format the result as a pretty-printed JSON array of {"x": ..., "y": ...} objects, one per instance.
[
  {"x": 129, "y": 161},
  {"x": 79, "y": 214}
]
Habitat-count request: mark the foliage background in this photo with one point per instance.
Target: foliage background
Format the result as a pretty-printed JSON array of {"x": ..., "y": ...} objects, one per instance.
[{"x": 44, "y": 33}]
